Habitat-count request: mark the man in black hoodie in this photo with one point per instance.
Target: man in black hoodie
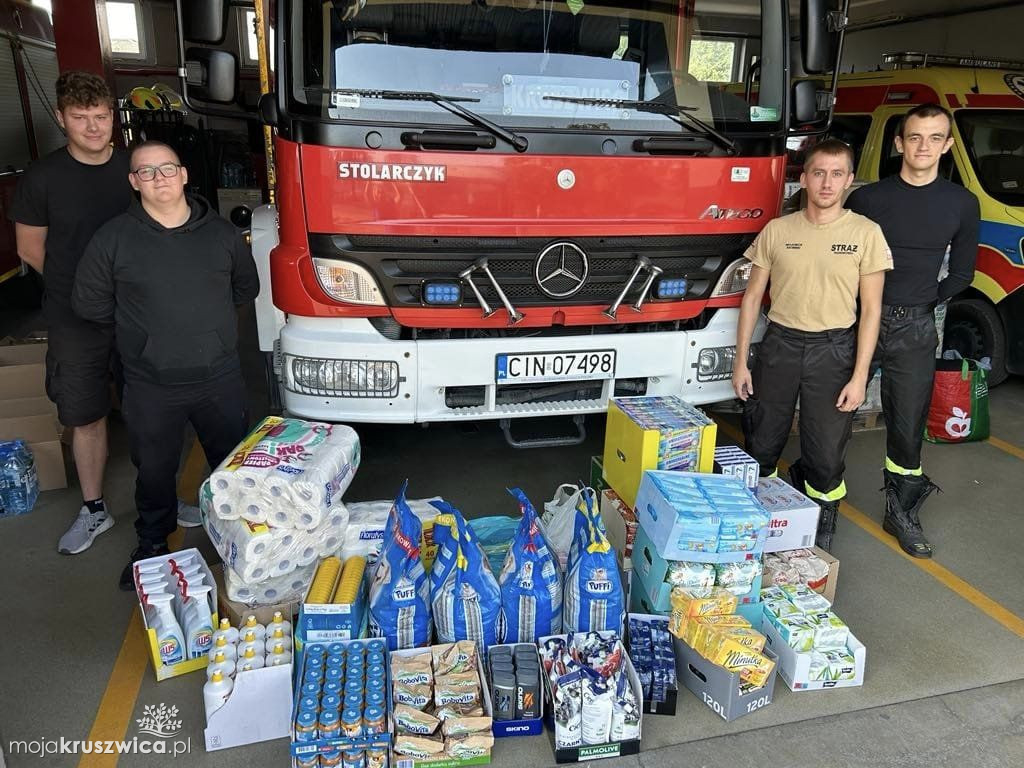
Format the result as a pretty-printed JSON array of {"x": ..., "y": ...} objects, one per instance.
[{"x": 169, "y": 274}]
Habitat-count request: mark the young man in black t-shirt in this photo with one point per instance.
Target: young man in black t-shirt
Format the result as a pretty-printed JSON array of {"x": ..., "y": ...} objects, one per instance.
[
  {"x": 921, "y": 216},
  {"x": 59, "y": 203}
]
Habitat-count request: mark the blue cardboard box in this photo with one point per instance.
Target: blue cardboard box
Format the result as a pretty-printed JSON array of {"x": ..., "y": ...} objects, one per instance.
[{"x": 661, "y": 521}]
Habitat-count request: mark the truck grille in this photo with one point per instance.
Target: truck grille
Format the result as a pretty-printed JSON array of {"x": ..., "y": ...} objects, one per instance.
[{"x": 402, "y": 264}]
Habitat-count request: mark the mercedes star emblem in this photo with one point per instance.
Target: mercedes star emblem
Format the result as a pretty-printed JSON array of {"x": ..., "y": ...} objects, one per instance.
[{"x": 561, "y": 270}]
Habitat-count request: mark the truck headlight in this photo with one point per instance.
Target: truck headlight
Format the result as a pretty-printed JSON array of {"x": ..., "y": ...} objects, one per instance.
[
  {"x": 733, "y": 280},
  {"x": 348, "y": 282},
  {"x": 716, "y": 363},
  {"x": 342, "y": 378}
]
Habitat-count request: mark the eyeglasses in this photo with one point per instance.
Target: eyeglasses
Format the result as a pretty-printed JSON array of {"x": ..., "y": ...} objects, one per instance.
[{"x": 148, "y": 172}]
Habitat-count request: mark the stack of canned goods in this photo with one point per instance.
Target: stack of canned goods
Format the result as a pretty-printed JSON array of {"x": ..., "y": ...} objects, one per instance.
[{"x": 343, "y": 695}]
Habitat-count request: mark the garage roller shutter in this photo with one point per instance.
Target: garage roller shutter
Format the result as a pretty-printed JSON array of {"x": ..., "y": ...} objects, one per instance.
[
  {"x": 14, "y": 151},
  {"x": 41, "y": 73}
]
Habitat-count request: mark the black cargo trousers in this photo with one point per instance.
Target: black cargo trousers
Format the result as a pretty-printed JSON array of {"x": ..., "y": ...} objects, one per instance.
[
  {"x": 814, "y": 366},
  {"x": 155, "y": 416},
  {"x": 906, "y": 354}
]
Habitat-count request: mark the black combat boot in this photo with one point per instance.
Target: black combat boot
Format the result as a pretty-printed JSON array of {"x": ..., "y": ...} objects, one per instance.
[
  {"x": 826, "y": 524},
  {"x": 904, "y": 496},
  {"x": 797, "y": 477}
]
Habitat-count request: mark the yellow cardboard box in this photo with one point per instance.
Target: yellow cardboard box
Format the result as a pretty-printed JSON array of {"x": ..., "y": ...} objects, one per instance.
[{"x": 629, "y": 450}]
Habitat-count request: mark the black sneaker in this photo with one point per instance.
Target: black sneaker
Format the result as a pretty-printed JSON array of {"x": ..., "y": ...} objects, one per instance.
[{"x": 142, "y": 552}]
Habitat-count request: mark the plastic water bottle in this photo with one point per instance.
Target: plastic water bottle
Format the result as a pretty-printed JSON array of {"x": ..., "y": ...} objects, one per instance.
[{"x": 19, "y": 484}]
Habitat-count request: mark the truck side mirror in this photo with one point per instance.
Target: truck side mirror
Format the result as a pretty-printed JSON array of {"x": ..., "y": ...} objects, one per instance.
[
  {"x": 805, "y": 101},
  {"x": 819, "y": 37},
  {"x": 211, "y": 75},
  {"x": 267, "y": 108},
  {"x": 204, "y": 21}
]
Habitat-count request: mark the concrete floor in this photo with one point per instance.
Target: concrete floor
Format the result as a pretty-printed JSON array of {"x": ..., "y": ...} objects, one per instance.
[{"x": 944, "y": 683}]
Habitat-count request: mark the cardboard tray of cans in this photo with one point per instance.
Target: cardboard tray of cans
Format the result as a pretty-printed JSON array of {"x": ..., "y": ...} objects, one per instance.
[
  {"x": 401, "y": 761},
  {"x": 306, "y": 751},
  {"x": 583, "y": 752}
]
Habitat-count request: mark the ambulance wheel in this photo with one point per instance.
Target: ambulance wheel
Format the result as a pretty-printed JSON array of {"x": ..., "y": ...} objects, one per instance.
[{"x": 975, "y": 330}]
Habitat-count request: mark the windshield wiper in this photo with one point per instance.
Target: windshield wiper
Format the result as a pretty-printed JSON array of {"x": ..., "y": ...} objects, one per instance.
[
  {"x": 450, "y": 103},
  {"x": 671, "y": 111}
]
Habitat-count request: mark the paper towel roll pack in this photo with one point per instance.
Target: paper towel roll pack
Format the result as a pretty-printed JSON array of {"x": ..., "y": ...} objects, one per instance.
[{"x": 273, "y": 507}]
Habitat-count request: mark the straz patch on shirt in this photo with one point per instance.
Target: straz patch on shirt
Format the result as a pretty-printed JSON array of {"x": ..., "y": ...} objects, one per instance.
[{"x": 392, "y": 172}]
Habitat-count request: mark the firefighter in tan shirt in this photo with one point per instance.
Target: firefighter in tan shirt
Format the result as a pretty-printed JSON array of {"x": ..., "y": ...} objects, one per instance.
[{"x": 818, "y": 262}]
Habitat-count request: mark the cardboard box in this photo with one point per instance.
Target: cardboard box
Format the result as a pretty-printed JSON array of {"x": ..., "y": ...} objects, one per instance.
[
  {"x": 629, "y": 450},
  {"x": 651, "y": 571},
  {"x": 668, "y": 706},
  {"x": 188, "y": 665},
  {"x": 719, "y": 688},
  {"x": 827, "y": 586},
  {"x": 400, "y": 761},
  {"x": 794, "y": 516},
  {"x": 598, "y": 751},
  {"x": 237, "y": 612},
  {"x": 620, "y": 524},
  {"x": 40, "y": 432},
  {"x": 730, "y": 460},
  {"x": 794, "y": 668},
  {"x": 28, "y": 406},
  {"x": 258, "y": 709},
  {"x": 331, "y": 622},
  {"x": 531, "y": 727},
  {"x": 659, "y": 520},
  {"x": 597, "y": 481}
]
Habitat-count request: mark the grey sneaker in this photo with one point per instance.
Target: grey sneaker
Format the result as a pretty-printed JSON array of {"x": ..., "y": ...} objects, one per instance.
[
  {"x": 188, "y": 516},
  {"x": 87, "y": 526}
]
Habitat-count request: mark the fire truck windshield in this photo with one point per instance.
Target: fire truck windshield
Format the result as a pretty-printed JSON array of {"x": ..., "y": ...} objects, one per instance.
[{"x": 723, "y": 60}]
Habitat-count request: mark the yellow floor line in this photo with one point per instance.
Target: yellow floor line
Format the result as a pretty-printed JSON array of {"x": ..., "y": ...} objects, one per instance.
[
  {"x": 943, "y": 575},
  {"x": 1009, "y": 448},
  {"x": 118, "y": 702},
  {"x": 114, "y": 715}
]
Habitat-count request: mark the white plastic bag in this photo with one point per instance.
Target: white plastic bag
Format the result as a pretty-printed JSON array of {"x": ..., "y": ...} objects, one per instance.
[{"x": 560, "y": 520}]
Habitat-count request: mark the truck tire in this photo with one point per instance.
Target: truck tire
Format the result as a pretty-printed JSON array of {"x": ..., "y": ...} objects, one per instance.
[{"x": 975, "y": 330}]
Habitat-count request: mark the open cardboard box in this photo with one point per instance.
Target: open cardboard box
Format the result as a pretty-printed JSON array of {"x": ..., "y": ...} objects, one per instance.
[
  {"x": 237, "y": 612},
  {"x": 583, "y": 752},
  {"x": 794, "y": 668},
  {"x": 258, "y": 709},
  {"x": 400, "y": 761},
  {"x": 188, "y": 665},
  {"x": 668, "y": 706}
]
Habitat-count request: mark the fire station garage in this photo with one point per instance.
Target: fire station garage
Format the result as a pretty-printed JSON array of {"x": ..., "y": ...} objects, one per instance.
[{"x": 438, "y": 383}]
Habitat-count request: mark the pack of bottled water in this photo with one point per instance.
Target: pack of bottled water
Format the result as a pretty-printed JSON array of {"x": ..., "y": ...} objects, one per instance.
[{"x": 19, "y": 484}]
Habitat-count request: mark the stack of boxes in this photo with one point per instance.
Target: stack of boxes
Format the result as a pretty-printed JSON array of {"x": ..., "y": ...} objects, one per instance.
[{"x": 688, "y": 529}]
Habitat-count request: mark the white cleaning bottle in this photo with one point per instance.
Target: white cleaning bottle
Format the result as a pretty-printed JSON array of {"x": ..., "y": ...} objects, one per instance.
[
  {"x": 278, "y": 654},
  {"x": 198, "y": 627},
  {"x": 227, "y": 631},
  {"x": 222, "y": 645},
  {"x": 249, "y": 660},
  {"x": 215, "y": 693},
  {"x": 279, "y": 622},
  {"x": 169, "y": 637},
  {"x": 220, "y": 662},
  {"x": 278, "y": 637},
  {"x": 249, "y": 640},
  {"x": 253, "y": 625}
]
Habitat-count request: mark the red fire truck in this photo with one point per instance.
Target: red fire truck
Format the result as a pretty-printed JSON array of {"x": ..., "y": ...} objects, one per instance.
[{"x": 496, "y": 209}]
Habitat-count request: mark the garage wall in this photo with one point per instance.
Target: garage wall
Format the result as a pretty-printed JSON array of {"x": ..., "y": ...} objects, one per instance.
[{"x": 990, "y": 33}]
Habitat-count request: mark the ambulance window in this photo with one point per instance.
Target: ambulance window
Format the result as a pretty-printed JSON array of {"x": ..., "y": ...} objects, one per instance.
[
  {"x": 853, "y": 130},
  {"x": 891, "y": 160}
]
